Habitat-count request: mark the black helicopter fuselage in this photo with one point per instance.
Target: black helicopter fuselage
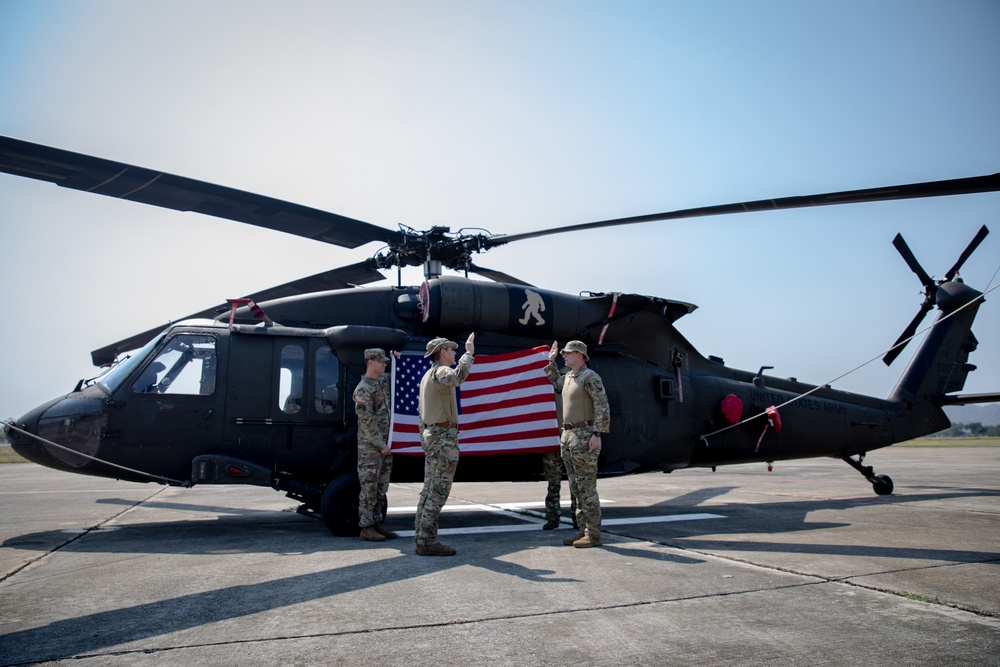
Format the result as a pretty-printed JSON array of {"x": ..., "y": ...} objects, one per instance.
[
  {"x": 213, "y": 402},
  {"x": 269, "y": 404}
]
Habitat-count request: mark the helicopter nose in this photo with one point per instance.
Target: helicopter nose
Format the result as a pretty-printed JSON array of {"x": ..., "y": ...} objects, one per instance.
[
  {"x": 72, "y": 423},
  {"x": 22, "y": 436}
]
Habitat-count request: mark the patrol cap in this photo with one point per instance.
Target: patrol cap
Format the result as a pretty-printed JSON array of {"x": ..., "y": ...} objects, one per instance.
[
  {"x": 375, "y": 353},
  {"x": 576, "y": 346},
  {"x": 436, "y": 344}
]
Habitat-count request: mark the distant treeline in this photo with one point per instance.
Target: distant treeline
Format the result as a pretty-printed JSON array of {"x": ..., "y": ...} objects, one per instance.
[{"x": 973, "y": 430}]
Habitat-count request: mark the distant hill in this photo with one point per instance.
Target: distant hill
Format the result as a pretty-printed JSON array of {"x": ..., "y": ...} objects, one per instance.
[{"x": 987, "y": 414}]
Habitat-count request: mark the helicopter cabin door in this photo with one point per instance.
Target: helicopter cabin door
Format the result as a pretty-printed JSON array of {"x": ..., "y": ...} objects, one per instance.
[
  {"x": 255, "y": 423},
  {"x": 282, "y": 400}
]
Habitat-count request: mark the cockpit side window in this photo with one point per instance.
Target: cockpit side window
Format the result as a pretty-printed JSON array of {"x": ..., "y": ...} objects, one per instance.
[
  {"x": 186, "y": 365},
  {"x": 118, "y": 374},
  {"x": 327, "y": 375},
  {"x": 291, "y": 381}
]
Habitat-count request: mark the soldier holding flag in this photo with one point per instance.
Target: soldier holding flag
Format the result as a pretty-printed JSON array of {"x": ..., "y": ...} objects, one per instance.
[{"x": 371, "y": 400}]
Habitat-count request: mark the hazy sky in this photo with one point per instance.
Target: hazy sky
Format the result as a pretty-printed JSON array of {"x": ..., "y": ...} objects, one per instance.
[{"x": 509, "y": 116}]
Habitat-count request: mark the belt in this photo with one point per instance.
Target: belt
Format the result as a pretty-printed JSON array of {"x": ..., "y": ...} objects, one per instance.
[
  {"x": 446, "y": 424},
  {"x": 568, "y": 425}
]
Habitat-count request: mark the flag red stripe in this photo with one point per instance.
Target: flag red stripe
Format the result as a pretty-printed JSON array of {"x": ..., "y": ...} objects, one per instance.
[
  {"x": 517, "y": 354},
  {"x": 522, "y": 435},
  {"x": 504, "y": 372},
  {"x": 508, "y": 403},
  {"x": 508, "y": 388}
]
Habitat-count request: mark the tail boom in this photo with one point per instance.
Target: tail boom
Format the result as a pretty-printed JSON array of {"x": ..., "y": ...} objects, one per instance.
[{"x": 941, "y": 366}]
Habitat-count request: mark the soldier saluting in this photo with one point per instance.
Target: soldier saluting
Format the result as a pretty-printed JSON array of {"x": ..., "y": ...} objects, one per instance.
[
  {"x": 585, "y": 415},
  {"x": 439, "y": 438}
]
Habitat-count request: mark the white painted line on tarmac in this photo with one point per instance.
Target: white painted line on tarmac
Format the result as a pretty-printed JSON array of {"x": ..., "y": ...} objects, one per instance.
[
  {"x": 533, "y": 520},
  {"x": 660, "y": 519},
  {"x": 525, "y": 527},
  {"x": 474, "y": 507},
  {"x": 99, "y": 529}
]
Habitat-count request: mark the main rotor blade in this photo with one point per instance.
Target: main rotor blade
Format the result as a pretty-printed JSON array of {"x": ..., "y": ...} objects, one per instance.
[
  {"x": 498, "y": 276},
  {"x": 361, "y": 273},
  {"x": 907, "y": 334},
  {"x": 958, "y": 186},
  {"x": 912, "y": 262},
  {"x": 971, "y": 248},
  {"x": 346, "y": 276},
  {"x": 115, "y": 179}
]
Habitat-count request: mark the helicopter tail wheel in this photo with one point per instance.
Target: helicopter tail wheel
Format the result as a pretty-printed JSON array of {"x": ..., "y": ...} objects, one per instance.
[
  {"x": 339, "y": 507},
  {"x": 882, "y": 484}
]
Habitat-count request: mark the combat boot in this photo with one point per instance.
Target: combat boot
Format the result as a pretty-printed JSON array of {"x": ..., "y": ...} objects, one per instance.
[
  {"x": 436, "y": 549},
  {"x": 384, "y": 532},
  {"x": 570, "y": 540},
  {"x": 588, "y": 541},
  {"x": 551, "y": 524},
  {"x": 370, "y": 534}
]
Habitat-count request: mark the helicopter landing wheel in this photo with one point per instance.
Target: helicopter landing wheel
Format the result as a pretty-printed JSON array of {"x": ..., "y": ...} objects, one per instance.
[
  {"x": 339, "y": 507},
  {"x": 882, "y": 484}
]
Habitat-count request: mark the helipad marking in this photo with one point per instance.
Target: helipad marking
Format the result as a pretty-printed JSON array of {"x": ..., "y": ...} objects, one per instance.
[
  {"x": 99, "y": 529},
  {"x": 533, "y": 519},
  {"x": 479, "y": 507},
  {"x": 661, "y": 519}
]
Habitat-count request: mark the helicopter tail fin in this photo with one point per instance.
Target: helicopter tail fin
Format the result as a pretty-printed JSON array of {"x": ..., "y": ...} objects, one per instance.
[{"x": 941, "y": 365}]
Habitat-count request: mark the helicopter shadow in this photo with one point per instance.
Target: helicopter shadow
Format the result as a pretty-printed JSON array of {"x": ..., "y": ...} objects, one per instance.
[
  {"x": 289, "y": 534},
  {"x": 184, "y": 507},
  {"x": 793, "y": 516},
  {"x": 92, "y": 633}
]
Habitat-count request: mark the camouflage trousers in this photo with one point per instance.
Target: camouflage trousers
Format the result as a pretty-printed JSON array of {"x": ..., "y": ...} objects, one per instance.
[
  {"x": 581, "y": 468},
  {"x": 552, "y": 469},
  {"x": 440, "y": 445},
  {"x": 374, "y": 470}
]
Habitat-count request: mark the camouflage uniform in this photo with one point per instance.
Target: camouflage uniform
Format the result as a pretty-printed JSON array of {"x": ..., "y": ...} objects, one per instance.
[
  {"x": 371, "y": 400},
  {"x": 439, "y": 440},
  {"x": 552, "y": 469},
  {"x": 582, "y": 393}
]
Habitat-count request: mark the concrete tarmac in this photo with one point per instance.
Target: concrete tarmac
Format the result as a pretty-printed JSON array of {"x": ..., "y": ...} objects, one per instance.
[{"x": 804, "y": 565}]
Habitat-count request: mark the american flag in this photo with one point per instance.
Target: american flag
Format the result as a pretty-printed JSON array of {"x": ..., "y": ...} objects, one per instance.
[{"x": 505, "y": 406}]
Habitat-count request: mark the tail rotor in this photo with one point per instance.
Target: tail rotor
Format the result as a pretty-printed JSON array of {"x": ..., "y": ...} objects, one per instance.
[
  {"x": 931, "y": 287},
  {"x": 971, "y": 248}
]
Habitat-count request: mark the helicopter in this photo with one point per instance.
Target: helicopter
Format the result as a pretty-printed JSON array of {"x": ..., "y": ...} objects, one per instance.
[{"x": 256, "y": 390}]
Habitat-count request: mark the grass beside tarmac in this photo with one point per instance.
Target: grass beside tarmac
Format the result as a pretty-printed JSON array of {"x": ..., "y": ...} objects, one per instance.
[
  {"x": 950, "y": 442},
  {"x": 8, "y": 455}
]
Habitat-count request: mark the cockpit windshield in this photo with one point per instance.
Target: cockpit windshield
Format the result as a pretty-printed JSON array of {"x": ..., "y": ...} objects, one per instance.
[{"x": 114, "y": 377}]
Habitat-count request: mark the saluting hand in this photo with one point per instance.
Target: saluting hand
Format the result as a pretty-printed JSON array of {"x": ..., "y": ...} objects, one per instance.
[
  {"x": 470, "y": 344},
  {"x": 554, "y": 350}
]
